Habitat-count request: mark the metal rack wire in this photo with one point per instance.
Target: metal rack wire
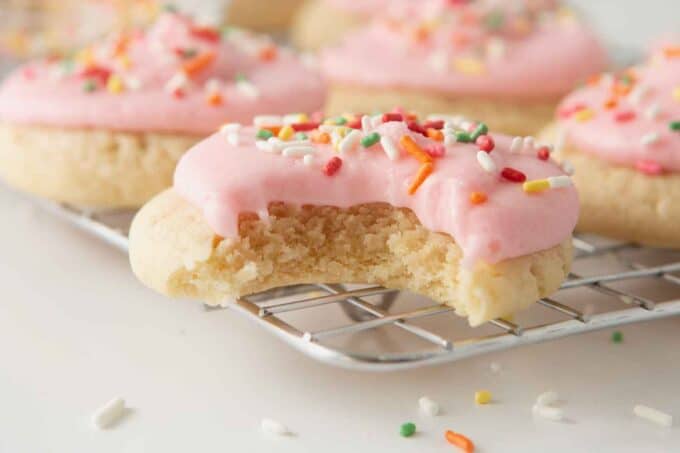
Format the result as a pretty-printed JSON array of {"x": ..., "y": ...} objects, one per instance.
[{"x": 378, "y": 329}]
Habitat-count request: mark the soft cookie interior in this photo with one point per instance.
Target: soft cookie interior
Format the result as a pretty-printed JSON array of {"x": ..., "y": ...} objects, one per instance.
[{"x": 174, "y": 251}]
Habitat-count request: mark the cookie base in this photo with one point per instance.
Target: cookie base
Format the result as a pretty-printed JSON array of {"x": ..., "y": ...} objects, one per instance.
[
  {"x": 262, "y": 15},
  {"x": 90, "y": 167},
  {"x": 512, "y": 117},
  {"x": 318, "y": 24},
  {"x": 620, "y": 202},
  {"x": 174, "y": 251}
]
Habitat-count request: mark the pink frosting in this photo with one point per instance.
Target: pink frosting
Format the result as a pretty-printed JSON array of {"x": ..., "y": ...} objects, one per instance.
[
  {"x": 635, "y": 127},
  {"x": 44, "y": 92},
  {"x": 224, "y": 180},
  {"x": 528, "y": 52}
]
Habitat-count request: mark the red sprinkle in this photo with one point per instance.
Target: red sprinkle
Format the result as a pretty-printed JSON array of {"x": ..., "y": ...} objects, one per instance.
[
  {"x": 355, "y": 123},
  {"x": 304, "y": 127},
  {"x": 485, "y": 143},
  {"x": 332, "y": 166},
  {"x": 387, "y": 117},
  {"x": 543, "y": 153},
  {"x": 434, "y": 124},
  {"x": 649, "y": 167},
  {"x": 566, "y": 112},
  {"x": 435, "y": 150},
  {"x": 96, "y": 72},
  {"x": 206, "y": 34},
  {"x": 513, "y": 175},
  {"x": 178, "y": 93},
  {"x": 416, "y": 127},
  {"x": 622, "y": 117}
]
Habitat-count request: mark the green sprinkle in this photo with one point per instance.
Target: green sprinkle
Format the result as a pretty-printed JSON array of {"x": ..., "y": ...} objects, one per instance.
[
  {"x": 495, "y": 20},
  {"x": 480, "y": 130},
  {"x": 264, "y": 134},
  {"x": 407, "y": 429},
  {"x": 241, "y": 78},
  {"x": 626, "y": 79},
  {"x": 340, "y": 121},
  {"x": 301, "y": 136},
  {"x": 674, "y": 126},
  {"x": 67, "y": 65},
  {"x": 617, "y": 337},
  {"x": 189, "y": 53},
  {"x": 226, "y": 31},
  {"x": 169, "y": 8},
  {"x": 463, "y": 137},
  {"x": 370, "y": 140},
  {"x": 89, "y": 85}
]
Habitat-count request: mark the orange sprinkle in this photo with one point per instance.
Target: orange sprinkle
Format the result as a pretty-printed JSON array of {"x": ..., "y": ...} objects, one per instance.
[
  {"x": 268, "y": 53},
  {"x": 435, "y": 134},
  {"x": 594, "y": 79},
  {"x": 197, "y": 64},
  {"x": 421, "y": 34},
  {"x": 413, "y": 149},
  {"x": 273, "y": 129},
  {"x": 424, "y": 171},
  {"x": 215, "y": 99},
  {"x": 322, "y": 138},
  {"x": 611, "y": 103},
  {"x": 622, "y": 89},
  {"x": 478, "y": 198},
  {"x": 460, "y": 441},
  {"x": 672, "y": 52}
]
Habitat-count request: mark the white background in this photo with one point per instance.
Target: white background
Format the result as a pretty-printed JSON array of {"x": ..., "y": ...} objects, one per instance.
[{"x": 76, "y": 329}]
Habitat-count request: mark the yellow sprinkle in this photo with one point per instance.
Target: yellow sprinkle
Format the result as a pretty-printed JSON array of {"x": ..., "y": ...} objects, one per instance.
[
  {"x": 286, "y": 133},
  {"x": 676, "y": 93},
  {"x": 584, "y": 115},
  {"x": 302, "y": 118},
  {"x": 115, "y": 84},
  {"x": 85, "y": 57},
  {"x": 124, "y": 61},
  {"x": 470, "y": 66},
  {"x": 537, "y": 185},
  {"x": 342, "y": 131},
  {"x": 482, "y": 397}
]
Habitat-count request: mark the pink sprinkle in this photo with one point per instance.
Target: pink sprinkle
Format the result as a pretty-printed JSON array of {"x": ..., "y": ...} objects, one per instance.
[
  {"x": 485, "y": 143},
  {"x": 29, "y": 73},
  {"x": 622, "y": 117},
  {"x": 435, "y": 150},
  {"x": 649, "y": 167}
]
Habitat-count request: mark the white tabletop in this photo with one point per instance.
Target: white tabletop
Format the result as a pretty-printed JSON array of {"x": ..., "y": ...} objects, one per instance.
[{"x": 78, "y": 329}]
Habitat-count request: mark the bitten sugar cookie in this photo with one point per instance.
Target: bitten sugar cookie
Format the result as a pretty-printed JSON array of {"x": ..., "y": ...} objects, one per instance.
[
  {"x": 621, "y": 133},
  {"x": 106, "y": 127},
  {"x": 506, "y": 62},
  {"x": 439, "y": 207}
]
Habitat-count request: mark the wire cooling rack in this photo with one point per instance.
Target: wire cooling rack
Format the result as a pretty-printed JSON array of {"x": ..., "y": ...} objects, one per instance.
[{"x": 377, "y": 329}]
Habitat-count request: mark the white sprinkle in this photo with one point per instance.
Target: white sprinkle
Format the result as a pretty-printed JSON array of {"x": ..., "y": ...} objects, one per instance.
[
  {"x": 133, "y": 83},
  {"x": 247, "y": 89},
  {"x": 298, "y": 151},
  {"x": 309, "y": 60},
  {"x": 328, "y": 128},
  {"x": 560, "y": 139},
  {"x": 567, "y": 167},
  {"x": 558, "y": 182},
  {"x": 486, "y": 162},
  {"x": 308, "y": 159},
  {"x": 230, "y": 128},
  {"x": 495, "y": 48},
  {"x": 376, "y": 120},
  {"x": 607, "y": 79},
  {"x": 233, "y": 139},
  {"x": 366, "y": 124},
  {"x": 293, "y": 118},
  {"x": 450, "y": 140},
  {"x": 549, "y": 413},
  {"x": 389, "y": 148},
  {"x": 638, "y": 93},
  {"x": 267, "y": 120},
  {"x": 495, "y": 367},
  {"x": 438, "y": 61},
  {"x": 213, "y": 85},
  {"x": 279, "y": 145},
  {"x": 516, "y": 145},
  {"x": 266, "y": 146},
  {"x": 272, "y": 427},
  {"x": 176, "y": 82},
  {"x": 547, "y": 398},
  {"x": 528, "y": 144},
  {"x": 653, "y": 415},
  {"x": 650, "y": 138},
  {"x": 653, "y": 111},
  {"x": 109, "y": 413},
  {"x": 428, "y": 406},
  {"x": 350, "y": 142}
]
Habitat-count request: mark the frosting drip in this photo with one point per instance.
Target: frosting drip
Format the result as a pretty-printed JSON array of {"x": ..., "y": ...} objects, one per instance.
[
  {"x": 178, "y": 76},
  {"x": 484, "y": 207},
  {"x": 632, "y": 118},
  {"x": 521, "y": 49}
]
